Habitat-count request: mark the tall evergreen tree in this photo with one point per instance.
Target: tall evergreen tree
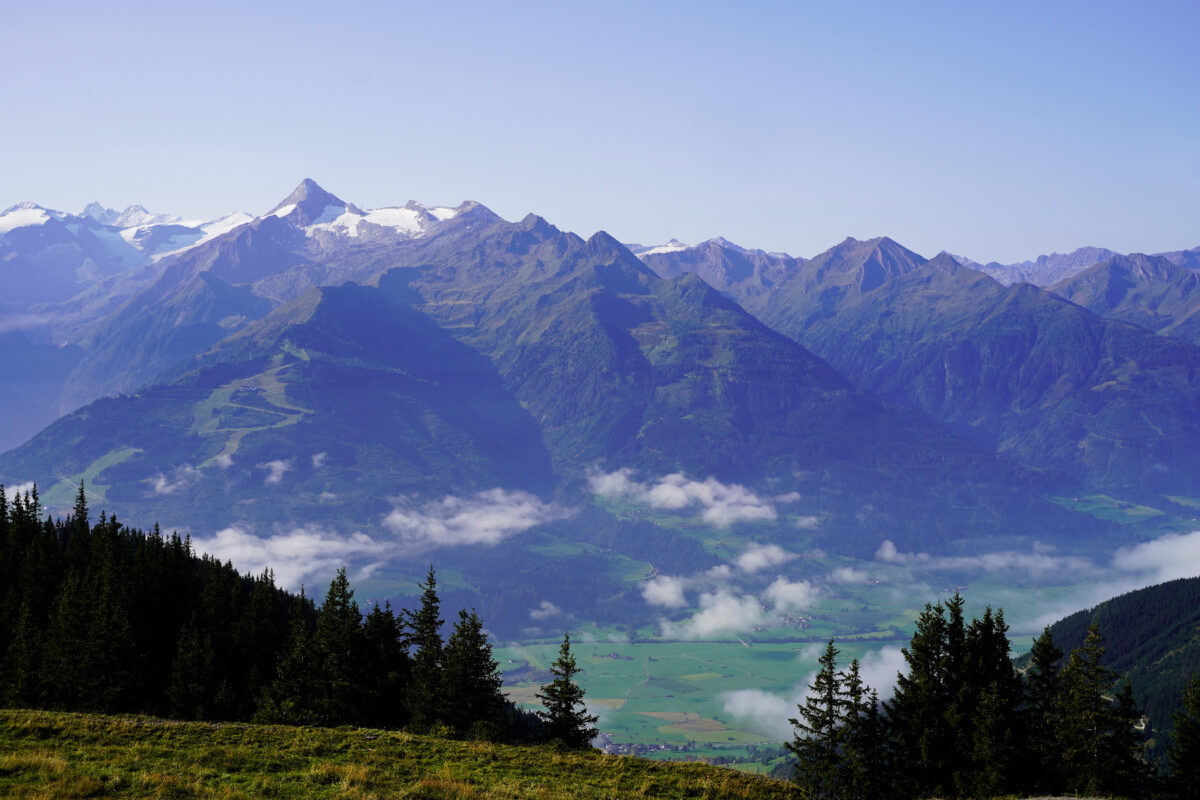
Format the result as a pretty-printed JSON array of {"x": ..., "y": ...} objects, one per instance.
[
  {"x": 290, "y": 697},
  {"x": 387, "y": 669},
  {"x": 79, "y": 516},
  {"x": 425, "y": 635},
  {"x": 1183, "y": 751},
  {"x": 338, "y": 655},
  {"x": 1043, "y": 700},
  {"x": 1085, "y": 715},
  {"x": 1124, "y": 769},
  {"x": 917, "y": 710},
  {"x": 818, "y": 725},
  {"x": 471, "y": 681},
  {"x": 566, "y": 719}
]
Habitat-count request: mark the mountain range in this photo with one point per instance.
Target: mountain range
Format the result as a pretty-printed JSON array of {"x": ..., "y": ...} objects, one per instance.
[{"x": 527, "y": 404}]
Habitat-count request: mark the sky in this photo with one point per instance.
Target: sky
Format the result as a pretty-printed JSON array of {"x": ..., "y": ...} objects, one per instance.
[{"x": 997, "y": 131}]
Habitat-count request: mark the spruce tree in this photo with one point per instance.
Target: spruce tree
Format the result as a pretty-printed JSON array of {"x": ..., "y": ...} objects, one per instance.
[
  {"x": 917, "y": 710},
  {"x": 79, "y": 517},
  {"x": 1043, "y": 701},
  {"x": 1124, "y": 770},
  {"x": 1084, "y": 716},
  {"x": 425, "y": 635},
  {"x": 1183, "y": 749},
  {"x": 566, "y": 719},
  {"x": 471, "y": 681},
  {"x": 817, "y": 744},
  {"x": 289, "y": 698},
  {"x": 386, "y": 668},
  {"x": 859, "y": 738},
  {"x": 338, "y": 654}
]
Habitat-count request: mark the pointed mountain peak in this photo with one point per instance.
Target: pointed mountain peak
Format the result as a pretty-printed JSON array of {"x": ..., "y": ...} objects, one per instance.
[
  {"x": 946, "y": 261},
  {"x": 602, "y": 240},
  {"x": 723, "y": 243},
  {"x": 135, "y": 216},
  {"x": 308, "y": 203},
  {"x": 97, "y": 212},
  {"x": 533, "y": 222}
]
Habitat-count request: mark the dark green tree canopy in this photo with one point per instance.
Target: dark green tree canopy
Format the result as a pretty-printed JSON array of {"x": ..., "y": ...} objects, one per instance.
[{"x": 566, "y": 719}]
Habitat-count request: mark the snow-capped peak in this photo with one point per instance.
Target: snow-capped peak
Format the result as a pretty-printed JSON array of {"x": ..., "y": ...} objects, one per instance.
[
  {"x": 137, "y": 216},
  {"x": 318, "y": 212},
  {"x": 23, "y": 215},
  {"x": 97, "y": 212},
  {"x": 672, "y": 246}
]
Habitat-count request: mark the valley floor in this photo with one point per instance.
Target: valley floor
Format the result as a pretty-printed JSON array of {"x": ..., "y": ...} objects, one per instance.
[{"x": 62, "y": 756}]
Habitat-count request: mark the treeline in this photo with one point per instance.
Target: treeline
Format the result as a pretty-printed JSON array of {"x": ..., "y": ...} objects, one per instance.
[
  {"x": 965, "y": 722},
  {"x": 111, "y": 619}
]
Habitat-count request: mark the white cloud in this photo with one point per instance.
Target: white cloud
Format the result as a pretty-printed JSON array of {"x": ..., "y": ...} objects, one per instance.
[
  {"x": 180, "y": 477},
  {"x": 18, "y": 489},
  {"x": 880, "y": 667},
  {"x": 275, "y": 470},
  {"x": 720, "y": 504},
  {"x": 297, "y": 555},
  {"x": 848, "y": 575},
  {"x": 721, "y": 572},
  {"x": 545, "y": 611},
  {"x": 721, "y": 614},
  {"x": 786, "y": 595},
  {"x": 1039, "y": 561},
  {"x": 1166, "y": 558},
  {"x": 665, "y": 591},
  {"x": 318, "y": 460},
  {"x": 224, "y": 461},
  {"x": 484, "y": 518},
  {"x": 762, "y": 711},
  {"x": 790, "y": 497},
  {"x": 807, "y": 523},
  {"x": 614, "y": 484},
  {"x": 761, "y": 556}
]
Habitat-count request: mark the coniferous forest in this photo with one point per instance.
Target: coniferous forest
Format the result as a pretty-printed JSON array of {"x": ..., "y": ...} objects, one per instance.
[
  {"x": 965, "y": 722},
  {"x": 111, "y": 619}
]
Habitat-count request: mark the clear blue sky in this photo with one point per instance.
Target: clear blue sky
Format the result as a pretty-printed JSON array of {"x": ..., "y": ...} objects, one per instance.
[{"x": 994, "y": 130}]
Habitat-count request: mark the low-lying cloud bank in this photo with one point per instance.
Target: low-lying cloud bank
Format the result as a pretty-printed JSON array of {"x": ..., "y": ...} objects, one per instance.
[
  {"x": 1039, "y": 561},
  {"x": 719, "y": 504},
  {"x": 1166, "y": 558},
  {"x": 488, "y": 517},
  {"x": 301, "y": 553},
  {"x": 296, "y": 555}
]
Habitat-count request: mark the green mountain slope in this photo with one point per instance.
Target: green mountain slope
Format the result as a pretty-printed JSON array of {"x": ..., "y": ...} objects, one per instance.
[
  {"x": 1152, "y": 635},
  {"x": 1149, "y": 291},
  {"x": 1018, "y": 370}
]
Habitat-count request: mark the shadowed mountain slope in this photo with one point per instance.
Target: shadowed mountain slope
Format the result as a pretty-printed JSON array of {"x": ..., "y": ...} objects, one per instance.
[
  {"x": 503, "y": 354},
  {"x": 1017, "y": 369},
  {"x": 1150, "y": 291}
]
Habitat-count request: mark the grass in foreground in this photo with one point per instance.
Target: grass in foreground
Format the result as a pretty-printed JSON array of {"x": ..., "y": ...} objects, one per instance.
[{"x": 60, "y": 755}]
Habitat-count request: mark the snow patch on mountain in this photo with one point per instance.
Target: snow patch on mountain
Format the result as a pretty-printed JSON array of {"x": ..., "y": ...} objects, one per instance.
[
  {"x": 23, "y": 215},
  {"x": 672, "y": 246}
]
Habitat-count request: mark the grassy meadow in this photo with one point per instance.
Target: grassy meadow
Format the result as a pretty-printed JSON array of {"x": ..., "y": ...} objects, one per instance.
[{"x": 59, "y": 756}]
